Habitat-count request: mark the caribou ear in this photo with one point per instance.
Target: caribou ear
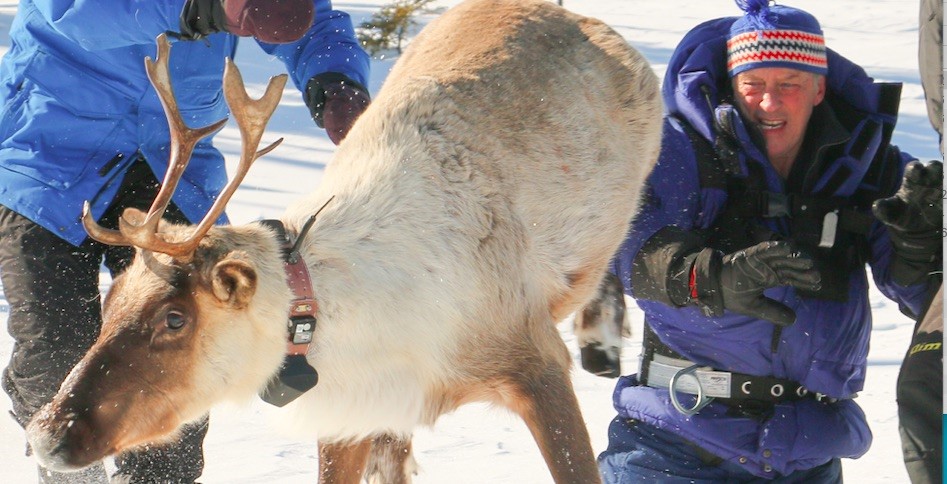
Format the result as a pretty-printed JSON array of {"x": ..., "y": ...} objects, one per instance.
[{"x": 234, "y": 282}]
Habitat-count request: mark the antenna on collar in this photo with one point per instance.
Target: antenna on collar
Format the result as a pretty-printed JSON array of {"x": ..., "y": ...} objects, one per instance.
[{"x": 294, "y": 251}]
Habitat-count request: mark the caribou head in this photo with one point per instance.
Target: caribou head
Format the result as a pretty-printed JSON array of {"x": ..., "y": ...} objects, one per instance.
[{"x": 181, "y": 320}]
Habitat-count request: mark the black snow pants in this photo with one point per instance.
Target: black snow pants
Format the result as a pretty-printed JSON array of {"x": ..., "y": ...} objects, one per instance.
[
  {"x": 920, "y": 397},
  {"x": 55, "y": 315}
]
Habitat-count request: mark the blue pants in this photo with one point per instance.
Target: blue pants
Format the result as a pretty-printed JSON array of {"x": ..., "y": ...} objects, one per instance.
[{"x": 641, "y": 453}]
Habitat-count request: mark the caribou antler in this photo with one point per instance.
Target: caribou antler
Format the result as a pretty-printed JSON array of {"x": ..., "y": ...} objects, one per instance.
[{"x": 138, "y": 229}]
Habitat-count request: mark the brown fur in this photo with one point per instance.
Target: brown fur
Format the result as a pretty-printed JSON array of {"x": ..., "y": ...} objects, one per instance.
[{"x": 343, "y": 462}]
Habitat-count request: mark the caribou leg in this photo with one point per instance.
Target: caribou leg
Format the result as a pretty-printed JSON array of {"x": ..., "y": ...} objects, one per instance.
[
  {"x": 390, "y": 461},
  {"x": 546, "y": 402},
  {"x": 343, "y": 462}
]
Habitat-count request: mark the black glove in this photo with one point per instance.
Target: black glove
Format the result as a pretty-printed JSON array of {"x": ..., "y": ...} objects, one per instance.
[
  {"x": 914, "y": 218},
  {"x": 273, "y": 21},
  {"x": 335, "y": 102},
  {"x": 736, "y": 281},
  {"x": 200, "y": 18}
]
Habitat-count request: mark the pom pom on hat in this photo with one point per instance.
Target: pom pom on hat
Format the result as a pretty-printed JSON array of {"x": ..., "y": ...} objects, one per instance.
[
  {"x": 775, "y": 36},
  {"x": 753, "y": 7}
]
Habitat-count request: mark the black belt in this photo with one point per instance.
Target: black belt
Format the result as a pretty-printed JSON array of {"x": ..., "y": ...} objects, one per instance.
[{"x": 662, "y": 367}]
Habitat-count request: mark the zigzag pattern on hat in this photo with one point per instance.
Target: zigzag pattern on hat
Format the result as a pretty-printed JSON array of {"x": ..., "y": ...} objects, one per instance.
[{"x": 783, "y": 46}]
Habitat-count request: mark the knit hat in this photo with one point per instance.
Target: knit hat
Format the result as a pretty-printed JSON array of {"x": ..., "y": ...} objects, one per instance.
[{"x": 775, "y": 36}]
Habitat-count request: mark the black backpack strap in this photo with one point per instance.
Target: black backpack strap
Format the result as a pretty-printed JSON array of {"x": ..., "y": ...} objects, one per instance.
[
  {"x": 889, "y": 100},
  {"x": 718, "y": 167},
  {"x": 882, "y": 178},
  {"x": 709, "y": 168}
]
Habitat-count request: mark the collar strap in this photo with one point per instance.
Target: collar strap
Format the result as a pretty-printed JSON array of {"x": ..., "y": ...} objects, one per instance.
[{"x": 302, "y": 310}]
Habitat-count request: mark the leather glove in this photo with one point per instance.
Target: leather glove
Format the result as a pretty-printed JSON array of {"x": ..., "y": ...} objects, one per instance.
[
  {"x": 736, "y": 281},
  {"x": 335, "y": 102},
  {"x": 272, "y": 21},
  {"x": 914, "y": 217}
]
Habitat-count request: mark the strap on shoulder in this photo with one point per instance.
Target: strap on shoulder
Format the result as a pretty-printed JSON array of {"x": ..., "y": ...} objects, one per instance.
[{"x": 709, "y": 168}]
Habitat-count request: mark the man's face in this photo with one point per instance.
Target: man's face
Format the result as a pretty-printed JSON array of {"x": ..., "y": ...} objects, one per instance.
[{"x": 779, "y": 101}]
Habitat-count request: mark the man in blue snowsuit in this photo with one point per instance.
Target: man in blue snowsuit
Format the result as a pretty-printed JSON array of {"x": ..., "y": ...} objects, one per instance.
[
  {"x": 80, "y": 121},
  {"x": 748, "y": 257}
]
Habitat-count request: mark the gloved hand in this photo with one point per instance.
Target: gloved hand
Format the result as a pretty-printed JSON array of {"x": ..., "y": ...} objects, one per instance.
[
  {"x": 335, "y": 102},
  {"x": 914, "y": 217},
  {"x": 273, "y": 21},
  {"x": 736, "y": 281}
]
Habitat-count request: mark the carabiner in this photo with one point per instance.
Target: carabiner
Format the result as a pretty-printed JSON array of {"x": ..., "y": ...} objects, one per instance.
[{"x": 701, "y": 401}]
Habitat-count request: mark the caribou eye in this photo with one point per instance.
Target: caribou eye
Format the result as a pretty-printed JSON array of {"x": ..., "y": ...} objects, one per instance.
[{"x": 175, "y": 320}]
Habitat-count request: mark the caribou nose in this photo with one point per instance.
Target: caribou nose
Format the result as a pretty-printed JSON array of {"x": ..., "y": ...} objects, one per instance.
[{"x": 61, "y": 443}]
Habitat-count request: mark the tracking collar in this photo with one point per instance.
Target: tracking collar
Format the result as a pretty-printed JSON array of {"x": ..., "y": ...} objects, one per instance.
[{"x": 296, "y": 376}]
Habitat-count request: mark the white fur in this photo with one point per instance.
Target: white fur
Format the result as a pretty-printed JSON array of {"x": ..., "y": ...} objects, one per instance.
[
  {"x": 477, "y": 202},
  {"x": 397, "y": 259}
]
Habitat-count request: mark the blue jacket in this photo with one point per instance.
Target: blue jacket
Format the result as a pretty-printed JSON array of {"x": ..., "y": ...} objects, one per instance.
[
  {"x": 825, "y": 349},
  {"x": 78, "y": 107}
]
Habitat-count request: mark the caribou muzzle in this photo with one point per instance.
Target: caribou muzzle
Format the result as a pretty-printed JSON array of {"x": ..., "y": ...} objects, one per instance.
[{"x": 110, "y": 402}]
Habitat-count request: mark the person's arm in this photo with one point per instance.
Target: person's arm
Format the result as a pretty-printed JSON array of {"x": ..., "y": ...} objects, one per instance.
[
  {"x": 931, "y": 62},
  {"x": 331, "y": 69},
  {"x": 330, "y": 45},
  {"x": 275, "y": 21},
  {"x": 907, "y": 239}
]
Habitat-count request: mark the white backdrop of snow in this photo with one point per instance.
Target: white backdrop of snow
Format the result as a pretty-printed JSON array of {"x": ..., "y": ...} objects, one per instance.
[{"x": 477, "y": 443}]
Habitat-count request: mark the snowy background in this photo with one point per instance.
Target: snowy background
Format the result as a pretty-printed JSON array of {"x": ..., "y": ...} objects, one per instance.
[{"x": 478, "y": 444}]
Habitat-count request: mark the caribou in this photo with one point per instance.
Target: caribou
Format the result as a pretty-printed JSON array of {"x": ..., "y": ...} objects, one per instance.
[{"x": 475, "y": 204}]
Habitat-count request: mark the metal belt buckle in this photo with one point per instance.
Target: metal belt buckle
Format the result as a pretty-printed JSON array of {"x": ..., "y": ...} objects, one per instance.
[{"x": 702, "y": 401}]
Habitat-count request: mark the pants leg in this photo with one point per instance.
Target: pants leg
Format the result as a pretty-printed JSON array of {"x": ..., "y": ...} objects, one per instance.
[
  {"x": 52, "y": 288},
  {"x": 181, "y": 462},
  {"x": 641, "y": 453}
]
